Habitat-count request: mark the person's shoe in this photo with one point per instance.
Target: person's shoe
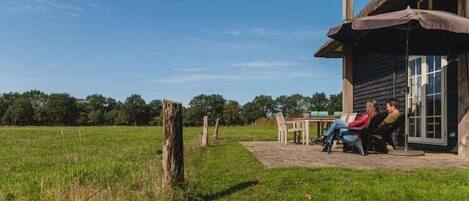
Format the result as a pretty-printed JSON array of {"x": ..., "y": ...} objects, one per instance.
[
  {"x": 325, "y": 148},
  {"x": 324, "y": 140},
  {"x": 345, "y": 148}
]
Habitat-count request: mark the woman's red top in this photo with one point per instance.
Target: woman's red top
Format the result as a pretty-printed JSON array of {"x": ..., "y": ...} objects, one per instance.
[{"x": 361, "y": 122}]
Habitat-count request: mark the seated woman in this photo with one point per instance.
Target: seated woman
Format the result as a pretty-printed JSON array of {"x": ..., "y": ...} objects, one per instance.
[{"x": 372, "y": 109}]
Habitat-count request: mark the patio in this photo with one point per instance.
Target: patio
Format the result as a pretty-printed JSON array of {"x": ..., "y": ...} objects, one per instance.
[{"x": 273, "y": 154}]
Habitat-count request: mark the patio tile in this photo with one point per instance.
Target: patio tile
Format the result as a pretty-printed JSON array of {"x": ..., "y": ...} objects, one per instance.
[{"x": 272, "y": 154}]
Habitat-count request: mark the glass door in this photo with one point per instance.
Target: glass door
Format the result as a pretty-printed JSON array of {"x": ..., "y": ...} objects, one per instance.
[{"x": 427, "y": 100}]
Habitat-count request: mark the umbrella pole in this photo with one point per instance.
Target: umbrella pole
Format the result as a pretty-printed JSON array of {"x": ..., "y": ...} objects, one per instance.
[{"x": 406, "y": 135}]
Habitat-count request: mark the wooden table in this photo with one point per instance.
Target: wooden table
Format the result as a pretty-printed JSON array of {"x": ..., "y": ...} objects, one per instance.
[{"x": 320, "y": 125}]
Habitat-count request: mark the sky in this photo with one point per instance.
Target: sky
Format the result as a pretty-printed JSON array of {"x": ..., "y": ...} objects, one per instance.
[{"x": 168, "y": 49}]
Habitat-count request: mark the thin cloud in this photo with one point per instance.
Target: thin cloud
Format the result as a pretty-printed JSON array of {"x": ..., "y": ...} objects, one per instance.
[
  {"x": 51, "y": 7},
  {"x": 263, "y": 32},
  {"x": 151, "y": 52},
  {"x": 190, "y": 69},
  {"x": 232, "y": 32},
  {"x": 234, "y": 77},
  {"x": 216, "y": 43},
  {"x": 258, "y": 31},
  {"x": 267, "y": 64}
]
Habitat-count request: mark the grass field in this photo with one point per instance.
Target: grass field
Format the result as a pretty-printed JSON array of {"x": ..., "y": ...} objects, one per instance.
[{"x": 121, "y": 163}]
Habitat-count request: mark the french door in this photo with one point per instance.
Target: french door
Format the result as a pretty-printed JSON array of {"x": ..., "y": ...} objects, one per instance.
[{"x": 427, "y": 100}]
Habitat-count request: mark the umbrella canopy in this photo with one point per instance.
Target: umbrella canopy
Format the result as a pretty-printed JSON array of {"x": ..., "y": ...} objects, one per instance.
[{"x": 428, "y": 33}]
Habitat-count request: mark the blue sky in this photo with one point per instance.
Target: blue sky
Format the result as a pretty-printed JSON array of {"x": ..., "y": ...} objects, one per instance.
[{"x": 172, "y": 49}]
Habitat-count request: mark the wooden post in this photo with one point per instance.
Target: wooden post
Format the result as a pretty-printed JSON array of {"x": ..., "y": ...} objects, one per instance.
[
  {"x": 205, "y": 132},
  {"x": 215, "y": 132},
  {"x": 347, "y": 81},
  {"x": 347, "y": 63},
  {"x": 173, "y": 147},
  {"x": 347, "y": 10},
  {"x": 463, "y": 92}
]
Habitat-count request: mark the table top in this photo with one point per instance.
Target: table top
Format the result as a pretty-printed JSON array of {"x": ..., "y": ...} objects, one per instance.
[{"x": 317, "y": 118}]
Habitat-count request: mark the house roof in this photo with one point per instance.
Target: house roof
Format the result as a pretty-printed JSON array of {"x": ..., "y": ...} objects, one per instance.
[{"x": 332, "y": 48}]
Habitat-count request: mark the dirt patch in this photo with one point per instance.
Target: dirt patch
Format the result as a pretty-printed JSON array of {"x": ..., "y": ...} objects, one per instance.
[{"x": 272, "y": 154}]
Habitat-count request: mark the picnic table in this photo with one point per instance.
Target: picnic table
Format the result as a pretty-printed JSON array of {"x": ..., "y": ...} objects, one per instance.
[{"x": 319, "y": 120}]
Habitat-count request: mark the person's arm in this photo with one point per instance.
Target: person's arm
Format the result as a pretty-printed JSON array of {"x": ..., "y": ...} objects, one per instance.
[
  {"x": 360, "y": 121},
  {"x": 390, "y": 119}
]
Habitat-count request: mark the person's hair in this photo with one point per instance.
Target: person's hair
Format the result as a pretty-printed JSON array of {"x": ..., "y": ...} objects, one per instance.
[
  {"x": 394, "y": 103},
  {"x": 372, "y": 104}
]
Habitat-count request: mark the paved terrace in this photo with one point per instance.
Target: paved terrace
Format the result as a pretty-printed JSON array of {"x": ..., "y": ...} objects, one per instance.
[{"x": 272, "y": 154}]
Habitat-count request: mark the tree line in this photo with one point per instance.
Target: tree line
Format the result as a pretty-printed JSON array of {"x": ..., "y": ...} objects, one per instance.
[{"x": 38, "y": 108}]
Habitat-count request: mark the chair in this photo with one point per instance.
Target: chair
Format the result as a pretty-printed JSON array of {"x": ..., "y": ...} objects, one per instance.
[
  {"x": 354, "y": 140},
  {"x": 284, "y": 129},
  {"x": 360, "y": 141},
  {"x": 383, "y": 135}
]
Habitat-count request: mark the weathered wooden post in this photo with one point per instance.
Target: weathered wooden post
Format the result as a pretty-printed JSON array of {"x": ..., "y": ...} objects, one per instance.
[
  {"x": 173, "y": 147},
  {"x": 215, "y": 132},
  {"x": 205, "y": 132}
]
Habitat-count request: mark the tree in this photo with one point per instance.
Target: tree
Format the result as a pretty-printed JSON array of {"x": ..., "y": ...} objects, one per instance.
[
  {"x": 38, "y": 101},
  {"x": 154, "y": 108},
  {"x": 95, "y": 109},
  {"x": 154, "y": 112},
  {"x": 113, "y": 109},
  {"x": 62, "y": 109},
  {"x": 96, "y": 117},
  {"x": 204, "y": 105},
  {"x": 19, "y": 113},
  {"x": 319, "y": 101},
  {"x": 232, "y": 113},
  {"x": 335, "y": 103},
  {"x": 266, "y": 104},
  {"x": 292, "y": 105},
  {"x": 6, "y": 100},
  {"x": 122, "y": 117},
  {"x": 96, "y": 102},
  {"x": 110, "y": 104},
  {"x": 250, "y": 113},
  {"x": 135, "y": 108},
  {"x": 83, "y": 111}
]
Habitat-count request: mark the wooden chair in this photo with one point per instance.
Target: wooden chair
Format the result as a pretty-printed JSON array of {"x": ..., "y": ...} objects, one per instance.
[{"x": 284, "y": 129}]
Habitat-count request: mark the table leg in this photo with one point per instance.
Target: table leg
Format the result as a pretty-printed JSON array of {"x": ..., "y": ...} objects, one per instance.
[
  {"x": 306, "y": 133},
  {"x": 318, "y": 129},
  {"x": 294, "y": 133},
  {"x": 322, "y": 127}
]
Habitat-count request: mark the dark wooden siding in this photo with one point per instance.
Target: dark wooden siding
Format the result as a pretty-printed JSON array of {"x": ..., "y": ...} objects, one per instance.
[{"x": 373, "y": 80}]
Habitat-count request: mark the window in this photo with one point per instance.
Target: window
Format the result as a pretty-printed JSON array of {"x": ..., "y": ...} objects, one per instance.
[{"x": 426, "y": 100}]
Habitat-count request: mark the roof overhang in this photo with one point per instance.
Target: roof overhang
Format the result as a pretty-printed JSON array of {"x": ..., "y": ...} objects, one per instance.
[{"x": 333, "y": 49}]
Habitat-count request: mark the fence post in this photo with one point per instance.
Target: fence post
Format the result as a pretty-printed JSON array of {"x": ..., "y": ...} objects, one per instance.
[
  {"x": 215, "y": 132},
  {"x": 205, "y": 132},
  {"x": 173, "y": 147}
]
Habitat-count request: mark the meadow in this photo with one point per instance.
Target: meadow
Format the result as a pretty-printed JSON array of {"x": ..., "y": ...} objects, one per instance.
[{"x": 124, "y": 163}]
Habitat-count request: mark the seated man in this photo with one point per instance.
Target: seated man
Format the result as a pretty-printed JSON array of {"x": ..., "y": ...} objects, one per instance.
[
  {"x": 393, "y": 112},
  {"x": 392, "y": 106}
]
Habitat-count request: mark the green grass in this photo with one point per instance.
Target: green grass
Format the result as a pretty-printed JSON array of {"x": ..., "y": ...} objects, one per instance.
[{"x": 121, "y": 163}]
